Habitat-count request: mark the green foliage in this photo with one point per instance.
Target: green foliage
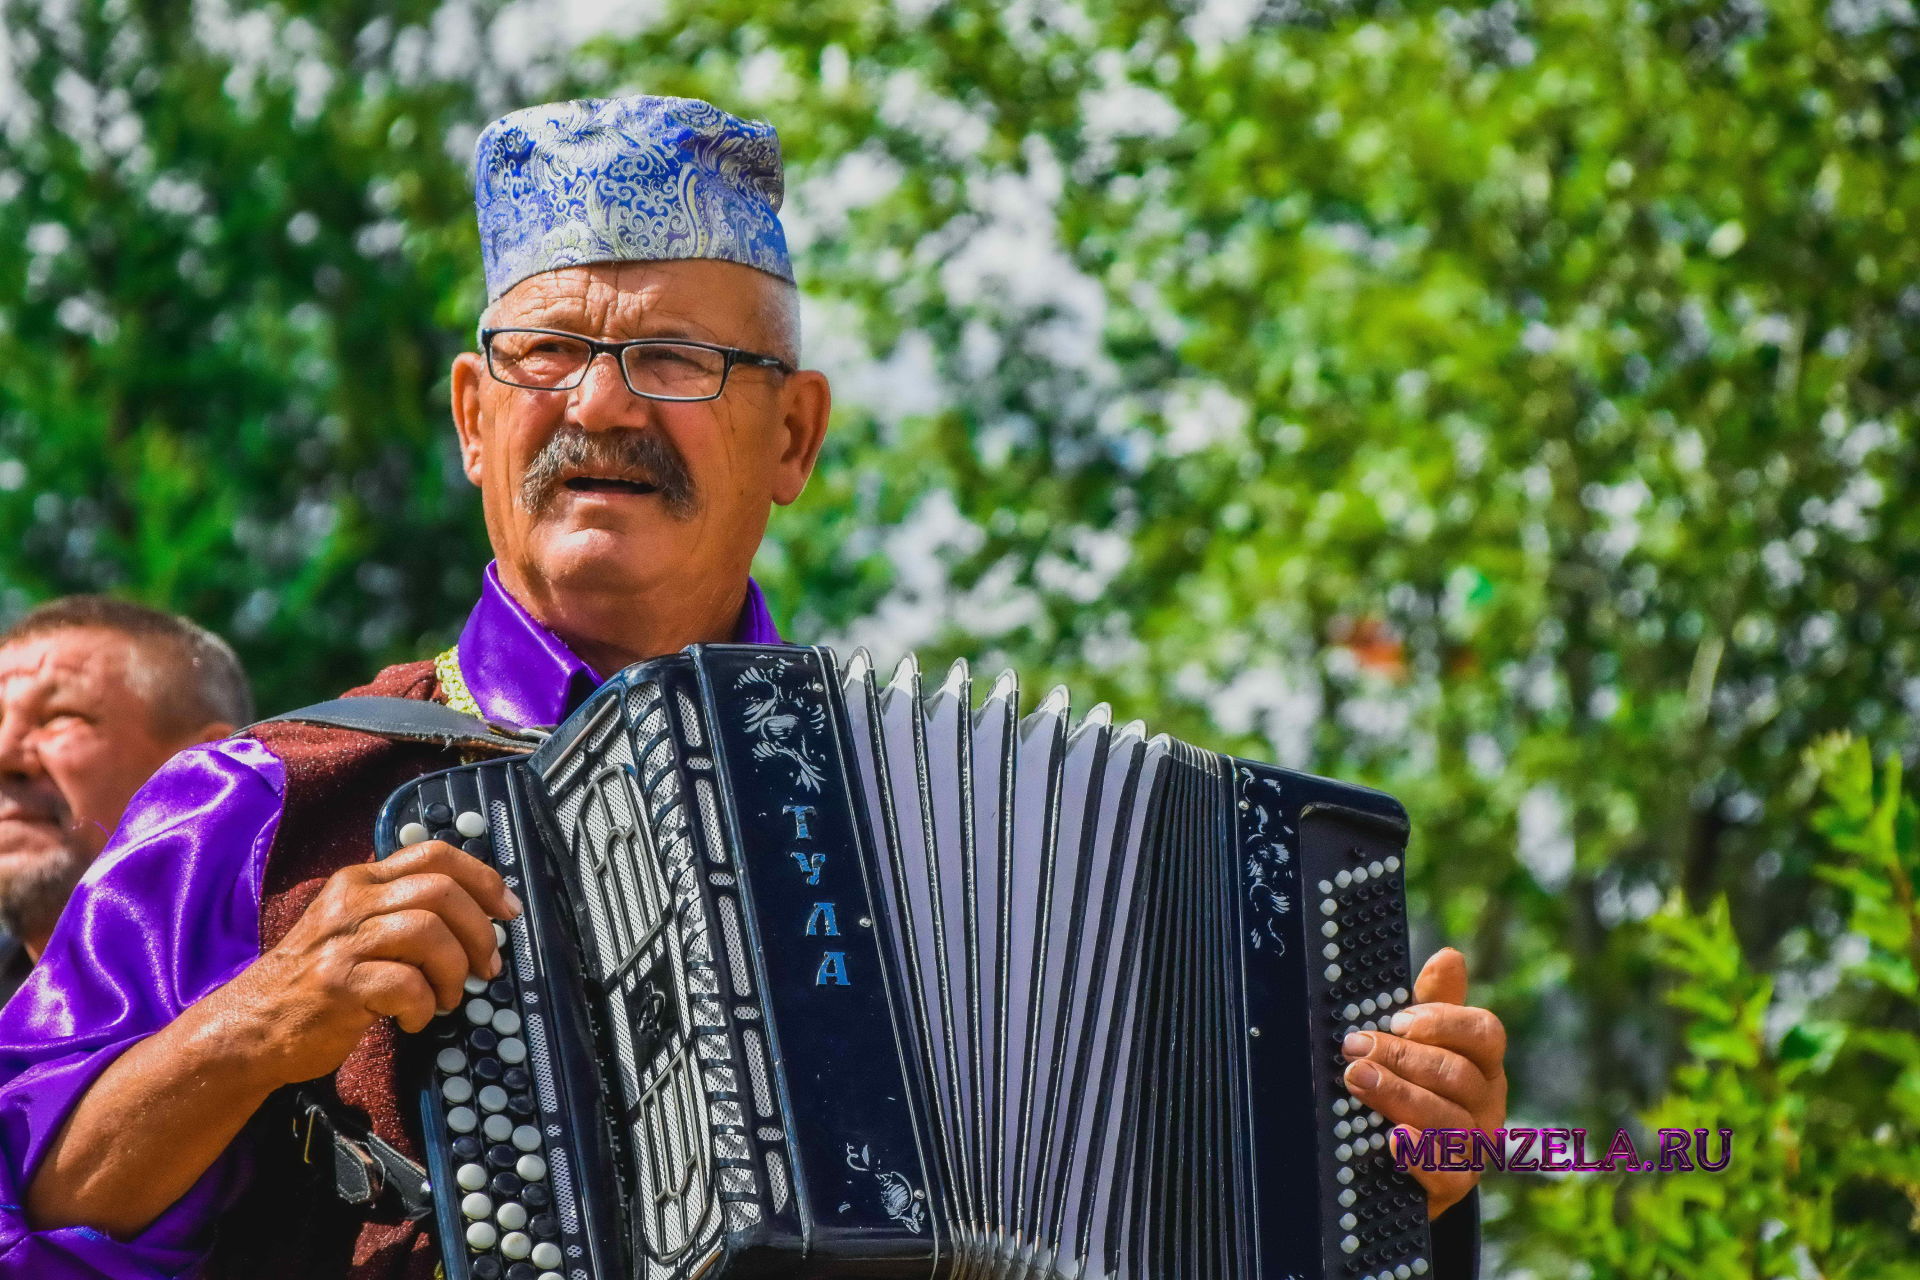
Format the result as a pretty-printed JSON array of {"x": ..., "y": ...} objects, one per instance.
[
  {"x": 247, "y": 257},
  {"x": 1514, "y": 408},
  {"x": 1511, "y": 406},
  {"x": 1821, "y": 1087}
]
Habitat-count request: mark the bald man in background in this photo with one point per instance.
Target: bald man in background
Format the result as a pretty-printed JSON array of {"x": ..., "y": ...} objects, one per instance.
[{"x": 95, "y": 695}]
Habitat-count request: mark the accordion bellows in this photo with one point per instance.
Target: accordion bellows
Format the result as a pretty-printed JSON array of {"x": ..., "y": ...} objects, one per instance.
[{"x": 821, "y": 976}]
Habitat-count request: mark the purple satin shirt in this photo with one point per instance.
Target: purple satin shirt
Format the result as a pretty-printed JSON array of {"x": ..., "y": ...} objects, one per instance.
[{"x": 171, "y": 910}]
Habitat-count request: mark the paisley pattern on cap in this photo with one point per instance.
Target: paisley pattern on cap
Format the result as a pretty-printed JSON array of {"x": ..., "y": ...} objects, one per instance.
[{"x": 638, "y": 179}]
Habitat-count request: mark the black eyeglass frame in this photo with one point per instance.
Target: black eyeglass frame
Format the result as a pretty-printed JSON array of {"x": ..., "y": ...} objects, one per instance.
[{"x": 618, "y": 350}]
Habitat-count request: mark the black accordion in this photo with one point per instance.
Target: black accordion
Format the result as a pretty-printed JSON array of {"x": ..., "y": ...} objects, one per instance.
[{"x": 825, "y": 977}]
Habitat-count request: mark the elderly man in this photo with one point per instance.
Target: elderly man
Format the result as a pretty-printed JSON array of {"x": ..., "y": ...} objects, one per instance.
[
  {"x": 237, "y": 940},
  {"x": 95, "y": 694}
]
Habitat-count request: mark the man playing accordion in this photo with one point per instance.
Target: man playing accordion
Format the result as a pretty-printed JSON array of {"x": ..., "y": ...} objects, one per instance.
[{"x": 235, "y": 939}]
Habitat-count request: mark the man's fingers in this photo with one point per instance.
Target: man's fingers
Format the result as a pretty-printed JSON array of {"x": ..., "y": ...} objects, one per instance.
[
  {"x": 1443, "y": 978},
  {"x": 389, "y": 989},
  {"x": 1441, "y": 1071},
  {"x": 1403, "y": 1102},
  {"x": 449, "y": 899},
  {"x": 1472, "y": 1032},
  {"x": 1444, "y": 1187},
  {"x": 481, "y": 881},
  {"x": 422, "y": 939}
]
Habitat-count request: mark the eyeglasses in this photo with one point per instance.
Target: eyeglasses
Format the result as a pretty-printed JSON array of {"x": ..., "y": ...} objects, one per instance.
[{"x": 654, "y": 368}]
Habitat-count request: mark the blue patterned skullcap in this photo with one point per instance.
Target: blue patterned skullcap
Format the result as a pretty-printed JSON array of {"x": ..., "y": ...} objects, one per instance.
[{"x": 639, "y": 179}]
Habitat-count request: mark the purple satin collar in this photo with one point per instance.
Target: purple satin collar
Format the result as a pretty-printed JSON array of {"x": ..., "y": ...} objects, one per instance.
[{"x": 522, "y": 673}]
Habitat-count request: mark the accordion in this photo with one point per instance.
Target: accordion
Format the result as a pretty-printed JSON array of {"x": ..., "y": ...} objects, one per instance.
[{"x": 821, "y": 976}]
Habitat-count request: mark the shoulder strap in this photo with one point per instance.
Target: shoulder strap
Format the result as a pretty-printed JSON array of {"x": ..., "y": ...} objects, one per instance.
[{"x": 413, "y": 720}]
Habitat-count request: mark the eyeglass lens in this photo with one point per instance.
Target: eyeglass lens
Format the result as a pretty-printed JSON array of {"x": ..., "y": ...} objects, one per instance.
[{"x": 548, "y": 361}]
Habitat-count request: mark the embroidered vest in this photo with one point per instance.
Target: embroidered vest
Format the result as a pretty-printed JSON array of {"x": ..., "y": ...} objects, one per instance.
[{"x": 289, "y": 1223}]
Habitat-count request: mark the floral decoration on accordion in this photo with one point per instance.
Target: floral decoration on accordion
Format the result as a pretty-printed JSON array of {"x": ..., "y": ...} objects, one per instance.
[
  {"x": 782, "y": 725},
  {"x": 1268, "y": 848},
  {"x": 898, "y": 1199}
]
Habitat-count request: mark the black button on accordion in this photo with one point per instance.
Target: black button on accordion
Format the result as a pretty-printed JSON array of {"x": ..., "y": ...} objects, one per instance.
[{"x": 824, "y": 977}]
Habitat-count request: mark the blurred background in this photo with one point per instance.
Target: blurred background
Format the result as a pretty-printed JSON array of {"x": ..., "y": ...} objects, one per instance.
[{"x": 1513, "y": 407}]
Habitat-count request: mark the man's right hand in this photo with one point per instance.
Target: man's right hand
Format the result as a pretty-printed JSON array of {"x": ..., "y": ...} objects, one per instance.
[
  {"x": 390, "y": 939},
  {"x": 395, "y": 938}
]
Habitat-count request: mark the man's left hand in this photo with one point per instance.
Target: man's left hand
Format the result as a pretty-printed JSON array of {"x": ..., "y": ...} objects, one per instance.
[{"x": 1441, "y": 1067}]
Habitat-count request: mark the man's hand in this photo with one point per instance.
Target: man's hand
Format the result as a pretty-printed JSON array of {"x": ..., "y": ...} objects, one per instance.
[
  {"x": 1440, "y": 1068},
  {"x": 396, "y": 938},
  {"x": 390, "y": 939}
]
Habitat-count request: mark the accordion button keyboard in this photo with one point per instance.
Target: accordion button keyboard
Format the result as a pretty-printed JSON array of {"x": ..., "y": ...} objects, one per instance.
[
  {"x": 506, "y": 1185},
  {"x": 477, "y": 1205},
  {"x": 487, "y": 1070},
  {"x": 506, "y": 1022},
  {"x": 516, "y": 1245},
  {"x": 526, "y": 1138},
  {"x": 457, "y": 1089},
  {"x": 479, "y": 1012},
  {"x": 547, "y": 1255},
  {"x": 499, "y": 934},
  {"x": 414, "y": 833},
  {"x": 546, "y": 1226},
  {"x": 512, "y": 1215},
  {"x": 481, "y": 1236},
  {"x": 492, "y": 1098},
  {"x": 471, "y": 1177},
  {"x": 475, "y": 985},
  {"x": 462, "y": 1120},
  {"x": 513, "y": 1051},
  {"x": 467, "y": 1149},
  {"x": 531, "y": 1167},
  {"x": 451, "y": 1060},
  {"x": 470, "y": 824},
  {"x": 497, "y": 1128}
]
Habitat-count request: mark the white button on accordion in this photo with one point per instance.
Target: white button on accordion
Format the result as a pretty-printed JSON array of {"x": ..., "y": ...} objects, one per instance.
[{"x": 821, "y": 976}]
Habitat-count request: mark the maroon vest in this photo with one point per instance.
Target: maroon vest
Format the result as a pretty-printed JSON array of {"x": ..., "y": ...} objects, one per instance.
[{"x": 289, "y": 1223}]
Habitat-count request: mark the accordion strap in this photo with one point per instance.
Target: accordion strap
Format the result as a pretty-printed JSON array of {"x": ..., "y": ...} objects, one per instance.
[
  {"x": 365, "y": 1166},
  {"x": 413, "y": 720}
]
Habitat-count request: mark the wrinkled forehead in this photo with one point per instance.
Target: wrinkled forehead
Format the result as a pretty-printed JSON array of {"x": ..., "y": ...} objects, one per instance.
[
  {"x": 90, "y": 660},
  {"x": 712, "y": 300}
]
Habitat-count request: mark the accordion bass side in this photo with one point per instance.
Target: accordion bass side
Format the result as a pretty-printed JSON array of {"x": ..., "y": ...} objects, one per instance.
[{"x": 821, "y": 976}]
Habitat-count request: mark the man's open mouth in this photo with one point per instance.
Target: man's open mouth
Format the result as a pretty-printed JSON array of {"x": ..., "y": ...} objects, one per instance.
[{"x": 609, "y": 484}]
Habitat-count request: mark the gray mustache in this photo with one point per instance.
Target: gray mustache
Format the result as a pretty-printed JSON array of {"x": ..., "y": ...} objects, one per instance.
[{"x": 647, "y": 456}]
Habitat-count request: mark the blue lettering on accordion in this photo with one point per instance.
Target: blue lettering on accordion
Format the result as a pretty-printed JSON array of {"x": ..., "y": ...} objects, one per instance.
[
  {"x": 785, "y": 765},
  {"x": 823, "y": 922}
]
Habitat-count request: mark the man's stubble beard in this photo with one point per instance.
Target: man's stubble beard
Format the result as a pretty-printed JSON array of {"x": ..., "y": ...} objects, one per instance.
[{"x": 33, "y": 894}]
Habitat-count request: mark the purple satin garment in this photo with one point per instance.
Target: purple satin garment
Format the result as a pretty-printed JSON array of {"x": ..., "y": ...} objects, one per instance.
[{"x": 171, "y": 911}]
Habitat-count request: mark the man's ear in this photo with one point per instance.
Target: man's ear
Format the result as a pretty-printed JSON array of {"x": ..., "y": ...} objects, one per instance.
[
  {"x": 468, "y": 370},
  {"x": 806, "y": 402}
]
